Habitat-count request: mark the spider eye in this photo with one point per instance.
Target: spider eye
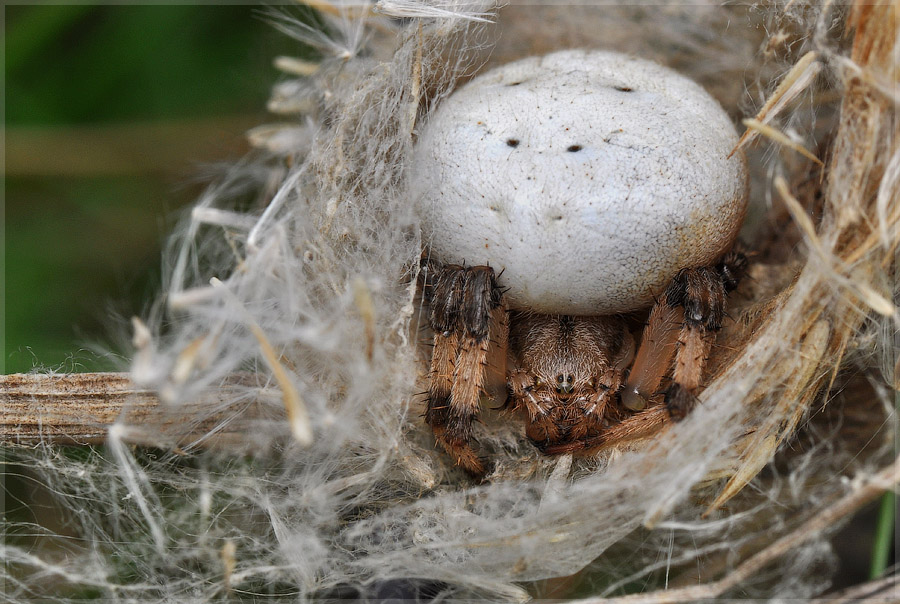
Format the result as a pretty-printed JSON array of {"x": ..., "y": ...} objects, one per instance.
[
  {"x": 565, "y": 383},
  {"x": 538, "y": 383}
]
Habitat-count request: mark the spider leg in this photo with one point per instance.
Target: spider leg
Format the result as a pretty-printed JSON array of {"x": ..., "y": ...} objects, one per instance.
[
  {"x": 654, "y": 357},
  {"x": 463, "y": 301},
  {"x": 702, "y": 293},
  {"x": 640, "y": 425},
  {"x": 683, "y": 324},
  {"x": 496, "y": 363}
]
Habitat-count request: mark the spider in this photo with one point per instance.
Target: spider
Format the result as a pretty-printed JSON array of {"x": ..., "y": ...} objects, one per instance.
[{"x": 560, "y": 195}]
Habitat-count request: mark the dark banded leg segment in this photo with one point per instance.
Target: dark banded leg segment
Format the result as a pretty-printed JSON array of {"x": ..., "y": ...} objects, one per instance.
[
  {"x": 462, "y": 301},
  {"x": 701, "y": 292}
]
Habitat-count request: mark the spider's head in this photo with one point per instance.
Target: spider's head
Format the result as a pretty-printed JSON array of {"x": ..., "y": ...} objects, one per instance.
[
  {"x": 574, "y": 363},
  {"x": 562, "y": 406}
]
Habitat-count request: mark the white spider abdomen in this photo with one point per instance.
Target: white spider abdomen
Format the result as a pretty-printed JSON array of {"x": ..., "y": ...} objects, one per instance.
[{"x": 588, "y": 178}]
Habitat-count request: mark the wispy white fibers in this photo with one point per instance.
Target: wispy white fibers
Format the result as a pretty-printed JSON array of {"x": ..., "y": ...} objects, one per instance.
[{"x": 140, "y": 492}]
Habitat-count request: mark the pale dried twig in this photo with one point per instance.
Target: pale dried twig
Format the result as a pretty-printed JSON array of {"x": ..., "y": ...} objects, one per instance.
[
  {"x": 886, "y": 589},
  {"x": 79, "y": 408}
]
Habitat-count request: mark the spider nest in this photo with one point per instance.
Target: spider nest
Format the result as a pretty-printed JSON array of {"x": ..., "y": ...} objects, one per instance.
[{"x": 314, "y": 245}]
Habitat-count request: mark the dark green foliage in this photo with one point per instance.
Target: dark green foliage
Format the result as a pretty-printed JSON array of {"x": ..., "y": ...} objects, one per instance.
[{"x": 80, "y": 245}]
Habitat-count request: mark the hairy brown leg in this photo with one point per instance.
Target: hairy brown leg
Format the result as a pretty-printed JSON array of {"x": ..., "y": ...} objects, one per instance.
[
  {"x": 654, "y": 357},
  {"x": 495, "y": 385},
  {"x": 462, "y": 302},
  {"x": 444, "y": 292},
  {"x": 443, "y": 362},
  {"x": 701, "y": 292},
  {"x": 640, "y": 425}
]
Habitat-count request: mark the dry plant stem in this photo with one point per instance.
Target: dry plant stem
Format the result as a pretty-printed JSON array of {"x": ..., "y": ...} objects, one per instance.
[
  {"x": 882, "y": 590},
  {"x": 79, "y": 408},
  {"x": 844, "y": 249},
  {"x": 781, "y": 138},
  {"x": 797, "y": 79},
  {"x": 814, "y": 527},
  {"x": 861, "y": 136},
  {"x": 76, "y": 407},
  {"x": 762, "y": 445}
]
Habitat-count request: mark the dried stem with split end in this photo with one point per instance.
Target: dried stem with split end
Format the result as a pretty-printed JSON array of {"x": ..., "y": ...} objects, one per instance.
[{"x": 80, "y": 408}]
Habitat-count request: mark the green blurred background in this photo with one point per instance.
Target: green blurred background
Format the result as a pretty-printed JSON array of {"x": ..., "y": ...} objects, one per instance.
[{"x": 112, "y": 112}]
